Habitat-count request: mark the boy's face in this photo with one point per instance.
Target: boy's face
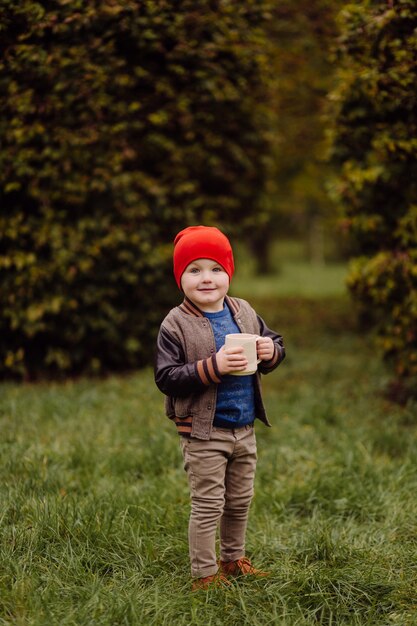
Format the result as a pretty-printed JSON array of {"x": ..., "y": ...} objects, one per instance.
[{"x": 205, "y": 283}]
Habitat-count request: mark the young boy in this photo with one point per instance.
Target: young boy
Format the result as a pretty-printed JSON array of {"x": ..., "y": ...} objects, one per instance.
[{"x": 213, "y": 409}]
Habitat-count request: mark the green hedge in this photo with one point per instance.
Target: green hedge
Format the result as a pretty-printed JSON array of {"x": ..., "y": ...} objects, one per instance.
[
  {"x": 375, "y": 145},
  {"x": 121, "y": 122}
]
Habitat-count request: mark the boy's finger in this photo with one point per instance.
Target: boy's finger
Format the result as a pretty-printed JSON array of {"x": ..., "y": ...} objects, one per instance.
[
  {"x": 235, "y": 350},
  {"x": 263, "y": 342}
]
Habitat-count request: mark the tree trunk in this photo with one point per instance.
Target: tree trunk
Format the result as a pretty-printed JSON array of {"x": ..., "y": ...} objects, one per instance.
[{"x": 260, "y": 246}]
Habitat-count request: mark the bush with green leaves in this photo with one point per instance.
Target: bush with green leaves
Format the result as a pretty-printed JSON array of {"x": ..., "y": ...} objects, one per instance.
[
  {"x": 121, "y": 122},
  {"x": 375, "y": 146}
]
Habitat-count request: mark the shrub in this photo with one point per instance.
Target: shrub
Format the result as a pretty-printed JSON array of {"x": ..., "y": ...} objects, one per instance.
[
  {"x": 121, "y": 122},
  {"x": 375, "y": 145}
]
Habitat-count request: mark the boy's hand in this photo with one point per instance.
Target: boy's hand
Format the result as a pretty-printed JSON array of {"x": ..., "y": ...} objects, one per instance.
[
  {"x": 231, "y": 360},
  {"x": 265, "y": 348}
]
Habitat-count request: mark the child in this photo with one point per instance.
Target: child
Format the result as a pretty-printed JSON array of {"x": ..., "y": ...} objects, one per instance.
[{"x": 213, "y": 409}]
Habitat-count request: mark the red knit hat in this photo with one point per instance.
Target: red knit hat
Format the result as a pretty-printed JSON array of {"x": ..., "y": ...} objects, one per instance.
[{"x": 201, "y": 242}]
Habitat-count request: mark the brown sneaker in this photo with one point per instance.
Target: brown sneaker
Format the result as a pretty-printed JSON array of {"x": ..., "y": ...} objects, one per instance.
[
  {"x": 211, "y": 582},
  {"x": 241, "y": 567}
]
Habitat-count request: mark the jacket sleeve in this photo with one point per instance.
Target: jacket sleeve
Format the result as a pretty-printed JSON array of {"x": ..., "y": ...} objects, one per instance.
[
  {"x": 174, "y": 376},
  {"x": 265, "y": 367}
]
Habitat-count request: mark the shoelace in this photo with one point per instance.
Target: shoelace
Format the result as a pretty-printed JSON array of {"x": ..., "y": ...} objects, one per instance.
[{"x": 245, "y": 565}]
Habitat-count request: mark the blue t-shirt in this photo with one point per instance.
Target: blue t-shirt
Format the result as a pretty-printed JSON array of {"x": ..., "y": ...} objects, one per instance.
[{"x": 235, "y": 405}]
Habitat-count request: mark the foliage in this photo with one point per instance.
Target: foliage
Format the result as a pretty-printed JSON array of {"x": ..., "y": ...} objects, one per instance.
[
  {"x": 95, "y": 500},
  {"x": 375, "y": 145},
  {"x": 304, "y": 34},
  {"x": 121, "y": 122}
]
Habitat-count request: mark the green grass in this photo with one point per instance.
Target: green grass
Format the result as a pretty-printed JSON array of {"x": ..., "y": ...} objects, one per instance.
[
  {"x": 94, "y": 500},
  {"x": 293, "y": 274},
  {"x": 296, "y": 278}
]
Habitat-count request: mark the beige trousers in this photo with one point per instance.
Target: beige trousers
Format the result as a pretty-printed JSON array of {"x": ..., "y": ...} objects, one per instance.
[{"x": 221, "y": 474}]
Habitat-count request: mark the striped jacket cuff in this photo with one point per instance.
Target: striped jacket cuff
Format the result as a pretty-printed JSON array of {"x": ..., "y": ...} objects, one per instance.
[{"x": 207, "y": 371}]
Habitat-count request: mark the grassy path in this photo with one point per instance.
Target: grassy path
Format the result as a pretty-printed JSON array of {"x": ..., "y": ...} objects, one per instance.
[{"x": 94, "y": 501}]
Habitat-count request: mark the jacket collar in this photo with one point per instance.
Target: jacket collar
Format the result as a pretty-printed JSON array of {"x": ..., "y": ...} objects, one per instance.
[{"x": 191, "y": 309}]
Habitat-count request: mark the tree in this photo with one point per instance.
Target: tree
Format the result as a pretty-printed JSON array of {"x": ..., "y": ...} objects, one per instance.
[
  {"x": 375, "y": 147},
  {"x": 122, "y": 121},
  {"x": 296, "y": 201}
]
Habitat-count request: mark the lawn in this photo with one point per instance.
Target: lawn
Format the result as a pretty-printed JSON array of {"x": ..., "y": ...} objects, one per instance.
[
  {"x": 295, "y": 279},
  {"x": 293, "y": 275},
  {"x": 94, "y": 500}
]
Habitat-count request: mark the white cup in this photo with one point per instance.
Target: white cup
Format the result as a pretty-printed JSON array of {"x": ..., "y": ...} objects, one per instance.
[{"x": 247, "y": 341}]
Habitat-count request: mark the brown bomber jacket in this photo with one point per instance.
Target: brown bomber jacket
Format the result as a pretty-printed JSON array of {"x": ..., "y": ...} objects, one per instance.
[{"x": 186, "y": 368}]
